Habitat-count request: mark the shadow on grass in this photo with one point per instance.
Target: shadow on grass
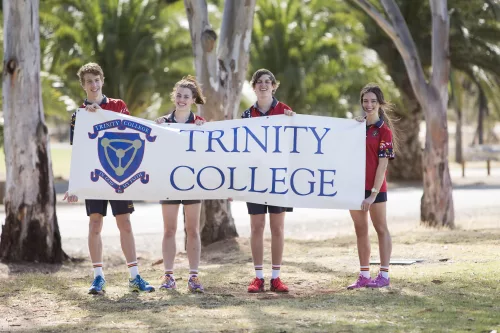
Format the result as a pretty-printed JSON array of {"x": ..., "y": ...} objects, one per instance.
[
  {"x": 409, "y": 307},
  {"x": 462, "y": 302}
]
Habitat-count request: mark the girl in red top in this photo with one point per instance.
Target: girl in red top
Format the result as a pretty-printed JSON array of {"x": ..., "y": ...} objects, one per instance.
[
  {"x": 186, "y": 93},
  {"x": 379, "y": 150}
]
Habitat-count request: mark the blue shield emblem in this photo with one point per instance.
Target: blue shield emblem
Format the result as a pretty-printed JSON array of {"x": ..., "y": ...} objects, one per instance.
[{"x": 120, "y": 154}]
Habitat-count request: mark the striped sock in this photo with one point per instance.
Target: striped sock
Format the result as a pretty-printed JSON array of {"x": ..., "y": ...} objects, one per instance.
[
  {"x": 258, "y": 271},
  {"x": 169, "y": 272},
  {"x": 98, "y": 269},
  {"x": 133, "y": 269},
  {"x": 384, "y": 270},
  {"x": 364, "y": 271},
  {"x": 276, "y": 271},
  {"x": 193, "y": 273}
]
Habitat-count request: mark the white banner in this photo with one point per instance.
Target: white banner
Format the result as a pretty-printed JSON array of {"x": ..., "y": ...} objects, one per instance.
[{"x": 298, "y": 161}]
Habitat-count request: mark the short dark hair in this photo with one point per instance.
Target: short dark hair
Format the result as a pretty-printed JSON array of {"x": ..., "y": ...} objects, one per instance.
[{"x": 256, "y": 76}]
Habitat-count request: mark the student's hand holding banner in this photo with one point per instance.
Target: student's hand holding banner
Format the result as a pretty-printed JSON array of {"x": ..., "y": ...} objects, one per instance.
[{"x": 299, "y": 161}]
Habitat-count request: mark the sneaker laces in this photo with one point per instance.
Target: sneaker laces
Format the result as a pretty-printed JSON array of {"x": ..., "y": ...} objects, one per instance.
[
  {"x": 166, "y": 277},
  {"x": 256, "y": 282},
  {"x": 277, "y": 282},
  {"x": 141, "y": 282},
  {"x": 97, "y": 281}
]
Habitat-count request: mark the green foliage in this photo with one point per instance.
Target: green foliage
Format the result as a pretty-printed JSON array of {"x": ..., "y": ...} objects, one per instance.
[
  {"x": 474, "y": 40},
  {"x": 141, "y": 46},
  {"x": 314, "y": 49}
]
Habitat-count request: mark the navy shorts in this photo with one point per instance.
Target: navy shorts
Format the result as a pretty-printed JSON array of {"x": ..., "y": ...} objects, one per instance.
[
  {"x": 381, "y": 196},
  {"x": 255, "y": 209},
  {"x": 178, "y": 202},
  {"x": 118, "y": 207}
]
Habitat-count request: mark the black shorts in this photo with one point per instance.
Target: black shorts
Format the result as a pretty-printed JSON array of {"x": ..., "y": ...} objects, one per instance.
[
  {"x": 255, "y": 209},
  {"x": 381, "y": 196},
  {"x": 178, "y": 202},
  {"x": 118, "y": 207}
]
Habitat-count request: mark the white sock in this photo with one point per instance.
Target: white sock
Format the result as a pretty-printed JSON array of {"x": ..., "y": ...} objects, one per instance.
[
  {"x": 170, "y": 272},
  {"x": 98, "y": 269},
  {"x": 193, "y": 273},
  {"x": 133, "y": 269},
  {"x": 384, "y": 270},
  {"x": 364, "y": 271},
  {"x": 276, "y": 271},
  {"x": 259, "y": 273}
]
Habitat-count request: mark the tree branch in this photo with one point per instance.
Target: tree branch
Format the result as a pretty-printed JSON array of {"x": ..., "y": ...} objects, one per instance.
[
  {"x": 440, "y": 47},
  {"x": 399, "y": 33}
]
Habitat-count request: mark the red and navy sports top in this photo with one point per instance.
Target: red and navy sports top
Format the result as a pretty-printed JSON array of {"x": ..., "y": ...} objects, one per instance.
[
  {"x": 276, "y": 108},
  {"x": 170, "y": 118},
  {"x": 378, "y": 145},
  {"x": 110, "y": 104}
]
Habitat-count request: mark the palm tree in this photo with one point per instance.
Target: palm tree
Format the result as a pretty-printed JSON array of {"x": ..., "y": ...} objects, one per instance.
[
  {"x": 315, "y": 50},
  {"x": 141, "y": 46}
]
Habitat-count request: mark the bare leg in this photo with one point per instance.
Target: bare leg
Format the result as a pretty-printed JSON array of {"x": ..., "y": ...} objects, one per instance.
[
  {"x": 379, "y": 220},
  {"x": 360, "y": 219},
  {"x": 126, "y": 237},
  {"x": 95, "y": 241},
  {"x": 192, "y": 213},
  {"x": 277, "y": 223},
  {"x": 257, "y": 224},
  {"x": 169, "y": 249}
]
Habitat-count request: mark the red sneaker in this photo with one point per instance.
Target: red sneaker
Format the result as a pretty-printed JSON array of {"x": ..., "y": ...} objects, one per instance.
[
  {"x": 278, "y": 286},
  {"x": 256, "y": 286}
]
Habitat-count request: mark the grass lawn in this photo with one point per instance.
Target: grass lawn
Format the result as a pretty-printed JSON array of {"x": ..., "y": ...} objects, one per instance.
[
  {"x": 61, "y": 161},
  {"x": 455, "y": 289}
]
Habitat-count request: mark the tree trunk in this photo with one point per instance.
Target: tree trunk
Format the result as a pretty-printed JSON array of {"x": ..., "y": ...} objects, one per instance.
[
  {"x": 407, "y": 166},
  {"x": 408, "y": 162},
  {"x": 221, "y": 69},
  {"x": 437, "y": 200},
  {"x": 459, "y": 151},
  {"x": 483, "y": 105},
  {"x": 456, "y": 96},
  {"x": 30, "y": 232},
  {"x": 212, "y": 231}
]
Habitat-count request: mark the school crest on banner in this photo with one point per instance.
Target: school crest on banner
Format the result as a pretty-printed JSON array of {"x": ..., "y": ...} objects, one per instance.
[{"x": 121, "y": 153}]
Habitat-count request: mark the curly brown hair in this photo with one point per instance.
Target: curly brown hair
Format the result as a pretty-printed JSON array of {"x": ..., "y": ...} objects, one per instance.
[
  {"x": 190, "y": 83},
  {"x": 91, "y": 68}
]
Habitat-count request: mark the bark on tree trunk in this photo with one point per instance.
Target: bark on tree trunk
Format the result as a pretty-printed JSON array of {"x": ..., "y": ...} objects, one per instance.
[
  {"x": 212, "y": 212},
  {"x": 459, "y": 156},
  {"x": 456, "y": 96},
  {"x": 408, "y": 162},
  {"x": 407, "y": 166},
  {"x": 221, "y": 69},
  {"x": 30, "y": 232},
  {"x": 437, "y": 202},
  {"x": 483, "y": 109}
]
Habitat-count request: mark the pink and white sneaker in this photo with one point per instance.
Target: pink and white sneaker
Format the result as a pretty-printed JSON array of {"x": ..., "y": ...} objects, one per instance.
[
  {"x": 379, "y": 282},
  {"x": 360, "y": 283}
]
